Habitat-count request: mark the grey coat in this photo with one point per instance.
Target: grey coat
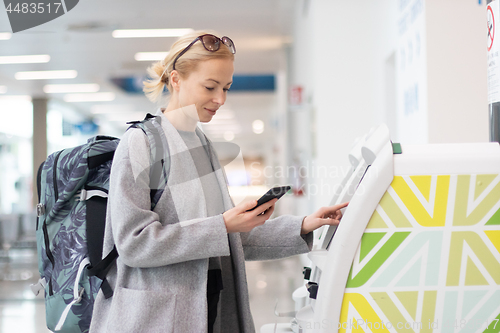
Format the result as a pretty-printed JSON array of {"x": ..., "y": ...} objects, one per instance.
[{"x": 160, "y": 276}]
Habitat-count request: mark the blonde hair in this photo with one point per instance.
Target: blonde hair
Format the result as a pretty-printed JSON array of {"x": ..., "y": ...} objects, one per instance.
[{"x": 159, "y": 72}]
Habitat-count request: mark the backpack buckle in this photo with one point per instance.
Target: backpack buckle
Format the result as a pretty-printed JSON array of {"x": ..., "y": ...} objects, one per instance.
[
  {"x": 40, "y": 210},
  {"x": 81, "y": 195},
  {"x": 39, "y": 286}
]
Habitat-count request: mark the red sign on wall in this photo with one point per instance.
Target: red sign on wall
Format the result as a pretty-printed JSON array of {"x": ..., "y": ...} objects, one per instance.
[{"x": 296, "y": 97}]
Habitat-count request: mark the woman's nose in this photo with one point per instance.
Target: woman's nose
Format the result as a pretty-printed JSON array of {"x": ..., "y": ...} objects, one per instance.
[{"x": 220, "y": 98}]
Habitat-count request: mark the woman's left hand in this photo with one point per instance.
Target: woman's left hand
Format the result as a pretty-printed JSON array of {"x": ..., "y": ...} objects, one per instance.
[{"x": 324, "y": 216}]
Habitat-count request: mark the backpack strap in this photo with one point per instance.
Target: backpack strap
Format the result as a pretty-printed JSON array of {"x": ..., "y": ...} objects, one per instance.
[
  {"x": 96, "y": 202},
  {"x": 40, "y": 209},
  {"x": 159, "y": 155},
  {"x": 101, "y": 270},
  {"x": 158, "y": 176}
]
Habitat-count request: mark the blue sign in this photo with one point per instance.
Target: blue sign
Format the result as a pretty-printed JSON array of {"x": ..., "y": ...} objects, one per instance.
[{"x": 260, "y": 82}]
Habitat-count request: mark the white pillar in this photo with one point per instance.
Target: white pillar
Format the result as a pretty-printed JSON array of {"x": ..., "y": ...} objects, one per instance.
[{"x": 39, "y": 139}]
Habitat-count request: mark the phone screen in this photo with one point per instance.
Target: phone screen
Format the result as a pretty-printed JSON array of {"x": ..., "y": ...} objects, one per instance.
[{"x": 275, "y": 192}]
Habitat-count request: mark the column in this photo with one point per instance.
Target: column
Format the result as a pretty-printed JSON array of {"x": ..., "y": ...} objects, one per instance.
[{"x": 39, "y": 139}]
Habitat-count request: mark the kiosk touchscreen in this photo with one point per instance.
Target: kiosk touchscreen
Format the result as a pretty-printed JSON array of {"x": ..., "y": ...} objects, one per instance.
[
  {"x": 344, "y": 193},
  {"x": 418, "y": 247}
]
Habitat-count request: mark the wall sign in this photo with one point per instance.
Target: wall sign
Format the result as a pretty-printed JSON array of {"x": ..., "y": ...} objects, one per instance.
[{"x": 493, "y": 47}]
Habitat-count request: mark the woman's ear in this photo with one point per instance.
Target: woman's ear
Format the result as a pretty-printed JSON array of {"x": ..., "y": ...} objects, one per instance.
[{"x": 175, "y": 80}]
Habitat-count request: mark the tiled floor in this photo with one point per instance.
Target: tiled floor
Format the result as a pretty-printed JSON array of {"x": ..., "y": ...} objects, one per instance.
[
  {"x": 270, "y": 282},
  {"x": 22, "y": 312}
]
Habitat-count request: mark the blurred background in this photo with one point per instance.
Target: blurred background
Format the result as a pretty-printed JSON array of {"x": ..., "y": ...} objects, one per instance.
[{"x": 311, "y": 76}]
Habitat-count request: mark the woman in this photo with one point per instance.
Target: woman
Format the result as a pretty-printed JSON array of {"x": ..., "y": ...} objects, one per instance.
[{"x": 181, "y": 266}]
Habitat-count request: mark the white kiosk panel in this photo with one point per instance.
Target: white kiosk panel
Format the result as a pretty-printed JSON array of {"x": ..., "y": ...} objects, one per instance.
[{"x": 418, "y": 248}]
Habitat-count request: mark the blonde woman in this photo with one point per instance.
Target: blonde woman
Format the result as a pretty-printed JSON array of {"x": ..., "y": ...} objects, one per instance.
[{"x": 181, "y": 265}]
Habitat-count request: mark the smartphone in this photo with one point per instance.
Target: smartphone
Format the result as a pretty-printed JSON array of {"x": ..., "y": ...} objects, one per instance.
[{"x": 275, "y": 192}]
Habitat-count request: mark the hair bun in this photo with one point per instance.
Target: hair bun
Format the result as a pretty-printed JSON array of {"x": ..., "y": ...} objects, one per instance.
[
  {"x": 156, "y": 81},
  {"x": 164, "y": 75},
  {"x": 164, "y": 79}
]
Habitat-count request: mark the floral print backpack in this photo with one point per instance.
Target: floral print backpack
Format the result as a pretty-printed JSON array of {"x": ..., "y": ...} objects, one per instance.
[{"x": 73, "y": 189}]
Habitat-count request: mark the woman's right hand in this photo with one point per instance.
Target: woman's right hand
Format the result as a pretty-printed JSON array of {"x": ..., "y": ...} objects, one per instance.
[{"x": 237, "y": 219}]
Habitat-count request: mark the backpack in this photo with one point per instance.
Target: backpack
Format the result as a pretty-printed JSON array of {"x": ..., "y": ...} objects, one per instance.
[{"x": 73, "y": 188}]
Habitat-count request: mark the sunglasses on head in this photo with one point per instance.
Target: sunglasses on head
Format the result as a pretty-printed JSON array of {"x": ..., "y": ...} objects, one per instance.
[{"x": 210, "y": 43}]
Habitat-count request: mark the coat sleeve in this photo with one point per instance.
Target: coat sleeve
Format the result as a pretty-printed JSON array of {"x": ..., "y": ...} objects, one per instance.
[
  {"x": 142, "y": 237},
  {"x": 277, "y": 238}
]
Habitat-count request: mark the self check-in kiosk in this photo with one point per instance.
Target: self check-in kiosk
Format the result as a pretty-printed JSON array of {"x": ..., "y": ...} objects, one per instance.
[{"x": 418, "y": 247}]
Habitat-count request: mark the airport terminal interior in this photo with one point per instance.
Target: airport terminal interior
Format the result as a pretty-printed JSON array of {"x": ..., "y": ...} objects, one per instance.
[{"x": 390, "y": 105}]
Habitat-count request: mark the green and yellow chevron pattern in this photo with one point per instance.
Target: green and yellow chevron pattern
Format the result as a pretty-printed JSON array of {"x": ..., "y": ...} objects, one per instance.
[{"x": 429, "y": 260}]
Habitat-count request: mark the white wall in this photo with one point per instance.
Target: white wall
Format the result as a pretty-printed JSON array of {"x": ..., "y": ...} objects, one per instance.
[
  {"x": 457, "y": 65},
  {"x": 342, "y": 48},
  {"x": 301, "y": 133},
  {"x": 345, "y": 54},
  {"x": 411, "y": 73}
]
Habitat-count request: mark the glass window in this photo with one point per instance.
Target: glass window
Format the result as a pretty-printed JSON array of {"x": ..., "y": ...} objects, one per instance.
[
  {"x": 63, "y": 127},
  {"x": 16, "y": 130}
]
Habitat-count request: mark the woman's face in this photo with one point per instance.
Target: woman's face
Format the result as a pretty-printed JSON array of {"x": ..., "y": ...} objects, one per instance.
[{"x": 206, "y": 87}]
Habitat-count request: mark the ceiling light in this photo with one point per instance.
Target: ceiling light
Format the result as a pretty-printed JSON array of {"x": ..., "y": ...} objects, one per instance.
[
  {"x": 258, "y": 126},
  {"x": 46, "y": 75},
  {"x": 3, "y": 89},
  {"x": 15, "y": 98},
  {"x": 150, "y": 56},
  {"x": 25, "y": 59},
  {"x": 5, "y": 35},
  {"x": 70, "y": 88},
  {"x": 144, "y": 33},
  {"x": 95, "y": 97}
]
